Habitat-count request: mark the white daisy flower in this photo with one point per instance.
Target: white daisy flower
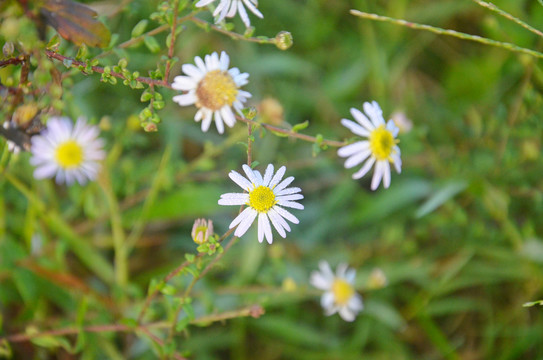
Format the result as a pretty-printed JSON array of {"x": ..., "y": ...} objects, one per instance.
[
  {"x": 229, "y": 8},
  {"x": 213, "y": 88},
  {"x": 266, "y": 196},
  {"x": 67, "y": 152},
  {"x": 380, "y": 148},
  {"x": 340, "y": 295}
]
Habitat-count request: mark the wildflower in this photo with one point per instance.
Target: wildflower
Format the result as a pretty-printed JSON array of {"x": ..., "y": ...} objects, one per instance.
[
  {"x": 228, "y": 8},
  {"x": 266, "y": 198},
  {"x": 340, "y": 295},
  {"x": 67, "y": 152},
  {"x": 202, "y": 230},
  {"x": 213, "y": 88},
  {"x": 12, "y": 147},
  {"x": 402, "y": 122},
  {"x": 377, "y": 279},
  {"x": 380, "y": 148}
]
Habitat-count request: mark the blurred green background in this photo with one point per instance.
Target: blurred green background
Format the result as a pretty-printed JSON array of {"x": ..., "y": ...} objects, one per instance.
[{"x": 458, "y": 234}]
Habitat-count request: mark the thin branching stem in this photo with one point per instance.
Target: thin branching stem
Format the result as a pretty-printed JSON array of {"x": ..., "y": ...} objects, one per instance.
[
  {"x": 172, "y": 40},
  {"x": 508, "y": 16},
  {"x": 173, "y": 274},
  {"x": 293, "y": 134},
  {"x": 453, "y": 33},
  {"x": 76, "y": 63},
  {"x": 232, "y": 34},
  {"x": 254, "y": 311}
]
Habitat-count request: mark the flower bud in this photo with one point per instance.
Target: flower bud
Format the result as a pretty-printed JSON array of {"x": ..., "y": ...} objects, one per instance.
[
  {"x": 402, "y": 122},
  {"x": 377, "y": 279},
  {"x": 8, "y": 49},
  {"x": 283, "y": 40},
  {"x": 202, "y": 230}
]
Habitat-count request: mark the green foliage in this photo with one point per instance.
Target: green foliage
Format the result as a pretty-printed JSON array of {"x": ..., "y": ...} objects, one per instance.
[{"x": 458, "y": 234}]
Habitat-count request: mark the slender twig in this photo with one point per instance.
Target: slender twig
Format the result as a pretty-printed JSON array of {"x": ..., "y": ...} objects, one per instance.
[
  {"x": 252, "y": 311},
  {"x": 453, "y": 33},
  {"x": 173, "y": 274},
  {"x": 155, "y": 31},
  {"x": 140, "y": 223},
  {"x": 119, "y": 237},
  {"x": 233, "y": 35},
  {"x": 76, "y": 63},
  {"x": 172, "y": 40},
  {"x": 508, "y": 16},
  {"x": 159, "y": 341},
  {"x": 218, "y": 257},
  {"x": 249, "y": 144},
  {"x": 291, "y": 133},
  {"x": 12, "y": 61}
]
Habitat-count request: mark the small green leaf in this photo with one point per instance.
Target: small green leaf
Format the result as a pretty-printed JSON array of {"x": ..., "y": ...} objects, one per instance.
[
  {"x": 533, "y": 303},
  {"x": 139, "y": 28},
  {"x": 82, "y": 52},
  {"x": 151, "y": 44},
  {"x": 54, "y": 43},
  {"x": 146, "y": 96},
  {"x": 190, "y": 257},
  {"x": 300, "y": 126},
  {"x": 187, "y": 308},
  {"x": 182, "y": 324},
  {"x": 168, "y": 289}
]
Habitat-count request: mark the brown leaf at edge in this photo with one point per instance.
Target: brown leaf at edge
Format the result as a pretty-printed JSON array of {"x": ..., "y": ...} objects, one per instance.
[{"x": 75, "y": 22}]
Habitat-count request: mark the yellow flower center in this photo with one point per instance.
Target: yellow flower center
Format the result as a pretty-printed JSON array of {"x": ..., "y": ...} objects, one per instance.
[
  {"x": 381, "y": 143},
  {"x": 343, "y": 291},
  {"x": 216, "y": 90},
  {"x": 262, "y": 199},
  {"x": 69, "y": 155}
]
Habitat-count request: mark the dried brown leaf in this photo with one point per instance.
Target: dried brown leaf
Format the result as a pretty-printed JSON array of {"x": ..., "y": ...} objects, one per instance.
[{"x": 75, "y": 22}]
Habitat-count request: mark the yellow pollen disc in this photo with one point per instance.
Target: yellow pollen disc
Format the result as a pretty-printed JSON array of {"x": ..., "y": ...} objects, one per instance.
[
  {"x": 69, "y": 155},
  {"x": 343, "y": 291},
  {"x": 216, "y": 90},
  {"x": 381, "y": 143},
  {"x": 262, "y": 199}
]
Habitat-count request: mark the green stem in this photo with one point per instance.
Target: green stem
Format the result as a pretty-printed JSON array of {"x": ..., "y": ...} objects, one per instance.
[
  {"x": 453, "y": 33},
  {"x": 508, "y": 16},
  {"x": 82, "y": 249},
  {"x": 149, "y": 200},
  {"x": 120, "y": 248}
]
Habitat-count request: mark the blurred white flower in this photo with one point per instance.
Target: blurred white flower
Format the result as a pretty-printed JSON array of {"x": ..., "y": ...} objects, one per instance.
[
  {"x": 340, "y": 295},
  {"x": 402, "y": 121},
  {"x": 377, "y": 279},
  {"x": 12, "y": 147},
  {"x": 213, "y": 88},
  {"x": 380, "y": 148},
  {"x": 266, "y": 198},
  {"x": 229, "y": 8},
  {"x": 67, "y": 152}
]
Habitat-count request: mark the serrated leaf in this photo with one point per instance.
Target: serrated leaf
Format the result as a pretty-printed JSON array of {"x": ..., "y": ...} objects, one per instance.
[{"x": 75, "y": 22}]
